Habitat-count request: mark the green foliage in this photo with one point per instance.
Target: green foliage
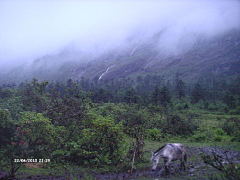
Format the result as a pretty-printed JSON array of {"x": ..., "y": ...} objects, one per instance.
[
  {"x": 201, "y": 104},
  {"x": 11, "y": 101},
  {"x": 67, "y": 113},
  {"x": 203, "y": 134},
  {"x": 6, "y": 93},
  {"x": 217, "y": 106},
  {"x": 153, "y": 134},
  {"x": 232, "y": 127},
  {"x": 165, "y": 96},
  {"x": 6, "y": 127},
  {"x": 180, "y": 88},
  {"x": 197, "y": 94},
  {"x": 135, "y": 120},
  {"x": 217, "y": 138},
  {"x": 9, "y": 149},
  {"x": 219, "y": 131},
  {"x": 58, "y": 120},
  {"x": 177, "y": 125},
  {"x": 230, "y": 101},
  {"x": 199, "y": 137},
  {"x": 101, "y": 142},
  {"x": 131, "y": 96},
  {"x": 37, "y": 134},
  {"x": 181, "y": 104},
  {"x": 33, "y": 96},
  {"x": 235, "y": 111}
]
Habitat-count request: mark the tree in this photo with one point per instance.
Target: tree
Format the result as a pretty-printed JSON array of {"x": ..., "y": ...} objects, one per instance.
[
  {"x": 6, "y": 127},
  {"x": 165, "y": 96},
  {"x": 180, "y": 88},
  {"x": 131, "y": 96},
  {"x": 102, "y": 96},
  {"x": 155, "y": 96},
  {"x": 33, "y": 96},
  {"x": 230, "y": 101},
  {"x": 197, "y": 94}
]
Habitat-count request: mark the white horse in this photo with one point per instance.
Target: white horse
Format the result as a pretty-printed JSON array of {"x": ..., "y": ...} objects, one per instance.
[{"x": 169, "y": 152}]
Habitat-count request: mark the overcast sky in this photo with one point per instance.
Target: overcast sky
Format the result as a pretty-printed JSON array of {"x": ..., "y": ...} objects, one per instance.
[{"x": 30, "y": 29}]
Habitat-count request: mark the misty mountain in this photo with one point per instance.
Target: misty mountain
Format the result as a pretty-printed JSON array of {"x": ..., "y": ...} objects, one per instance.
[{"x": 218, "y": 56}]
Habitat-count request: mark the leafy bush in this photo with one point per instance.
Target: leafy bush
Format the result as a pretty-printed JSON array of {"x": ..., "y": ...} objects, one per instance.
[
  {"x": 217, "y": 106},
  {"x": 153, "y": 134},
  {"x": 218, "y": 138},
  {"x": 99, "y": 140},
  {"x": 219, "y": 131},
  {"x": 235, "y": 111},
  {"x": 9, "y": 148},
  {"x": 6, "y": 93},
  {"x": 178, "y": 126},
  {"x": 102, "y": 142},
  {"x": 37, "y": 134},
  {"x": 135, "y": 121},
  {"x": 232, "y": 127},
  {"x": 199, "y": 137},
  {"x": 6, "y": 127}
]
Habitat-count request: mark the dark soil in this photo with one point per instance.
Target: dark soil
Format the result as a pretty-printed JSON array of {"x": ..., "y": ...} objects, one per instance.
[{"x": 196, "y": 169}]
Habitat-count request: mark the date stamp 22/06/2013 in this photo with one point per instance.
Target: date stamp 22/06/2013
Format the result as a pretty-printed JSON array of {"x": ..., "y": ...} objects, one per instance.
[{"x": 31, "y": 160}]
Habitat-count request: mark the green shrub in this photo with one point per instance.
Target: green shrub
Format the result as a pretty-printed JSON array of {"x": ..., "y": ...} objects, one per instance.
[
  {"x": 218, "y": 138},
  {"x": 153, "y": 134},
  {"x": 178, "y": 125},
  {"x": 219, "y": 131},
  {"x": 217, "y": 106},
  {"x": 236, "y": 138},
  {"x": 199, "y": 137},
  {"x": 235, "y": 111},
  {"x": 102, "y": 142},
  {"x": 38, "y": 134},
  {"x": 232, "y": 127},
  {"x": 6, "y": 127}
]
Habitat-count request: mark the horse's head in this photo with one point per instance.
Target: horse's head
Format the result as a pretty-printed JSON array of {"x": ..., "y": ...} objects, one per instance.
[{"x": 155, "y": 161}]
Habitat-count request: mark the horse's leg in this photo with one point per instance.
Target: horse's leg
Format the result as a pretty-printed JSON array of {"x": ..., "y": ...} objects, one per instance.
[
  {"x": 185, "y": 161},
  {"x": 165, "y": 166},
  {"x": 184, "y": 158},
  {"x": 166, "y": 162},
  {"x": 181, "y": 167},
  {"x": 182, "y": 164},
  {"x": 162, "y": 169}
]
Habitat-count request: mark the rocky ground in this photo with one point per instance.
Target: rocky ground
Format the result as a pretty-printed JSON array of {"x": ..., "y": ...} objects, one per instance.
[{"x": 197, "y": 169}]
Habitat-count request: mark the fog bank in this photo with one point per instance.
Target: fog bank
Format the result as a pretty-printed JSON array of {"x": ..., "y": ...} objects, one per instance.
[{"x": 31, "y": 29}]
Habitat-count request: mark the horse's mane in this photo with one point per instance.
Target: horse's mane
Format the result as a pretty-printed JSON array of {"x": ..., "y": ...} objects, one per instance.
[{"x": 160, "y": 148}]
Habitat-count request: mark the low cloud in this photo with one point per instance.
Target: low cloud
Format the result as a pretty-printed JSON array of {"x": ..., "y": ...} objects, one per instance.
[{"x": 31, "y": 29}]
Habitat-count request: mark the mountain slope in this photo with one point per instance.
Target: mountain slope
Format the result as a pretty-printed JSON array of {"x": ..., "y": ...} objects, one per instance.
[{"x": 219, "y": 56}]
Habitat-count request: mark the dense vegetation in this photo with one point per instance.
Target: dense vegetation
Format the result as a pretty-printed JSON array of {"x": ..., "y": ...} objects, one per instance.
[{"x": 103, "y": 123}]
